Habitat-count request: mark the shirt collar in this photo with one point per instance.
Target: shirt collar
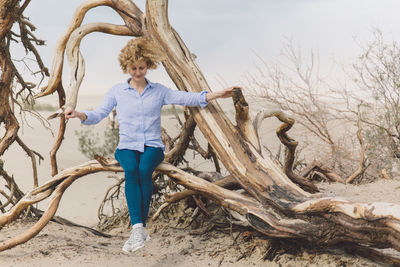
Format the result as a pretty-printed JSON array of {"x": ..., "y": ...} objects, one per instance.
[{"x": 149, "y": 84}]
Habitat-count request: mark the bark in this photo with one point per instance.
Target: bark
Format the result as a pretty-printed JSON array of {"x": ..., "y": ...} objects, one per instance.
[{"x": 8, "y": 12}]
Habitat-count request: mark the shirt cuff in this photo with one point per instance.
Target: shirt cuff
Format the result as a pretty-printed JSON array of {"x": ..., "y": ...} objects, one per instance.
[
  {"x": 203, "y": 102},
  {"x": 88, "y": 119}
]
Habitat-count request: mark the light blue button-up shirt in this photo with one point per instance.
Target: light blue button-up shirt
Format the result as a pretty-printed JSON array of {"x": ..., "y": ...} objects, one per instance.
[{"x": 139, "y": 115}]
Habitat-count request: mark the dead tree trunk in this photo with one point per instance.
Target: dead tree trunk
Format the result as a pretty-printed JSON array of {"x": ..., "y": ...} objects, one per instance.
[
  {"x": 287, "y": 211},
  {"x": 276, "y": 206}
]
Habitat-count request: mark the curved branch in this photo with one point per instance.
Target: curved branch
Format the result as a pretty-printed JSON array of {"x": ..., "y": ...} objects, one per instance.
[
  {"x": 289, "y": 143},
  {"x": 290, "y": 155},
  {"x": 261, "y": 115},
  {"x": 361, "y": 167},
  {"x": 46, "y": 217},
  {"x": 243, "y": 119},
  {"x": 108, "y": 196},
  {"x": 75, "y": 58},
  {"x": 61, "y": 131},
  {"x": 58, "y": 55},
  {"x": 44, "y": 191}
]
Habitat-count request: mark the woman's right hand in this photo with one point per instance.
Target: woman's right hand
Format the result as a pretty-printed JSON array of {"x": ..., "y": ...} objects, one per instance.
[{"x": 70, "y": 113}]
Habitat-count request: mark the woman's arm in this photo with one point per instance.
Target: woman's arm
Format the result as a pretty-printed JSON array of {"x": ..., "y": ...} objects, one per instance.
[
  {"x": 194, "y": 99},
  {"x": 89, "y": 117}
]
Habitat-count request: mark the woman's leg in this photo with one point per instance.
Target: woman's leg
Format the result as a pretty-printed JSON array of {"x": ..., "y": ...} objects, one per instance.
[
  {"x": 129, "y": 161},
  {"x": 149, "y": 160}
]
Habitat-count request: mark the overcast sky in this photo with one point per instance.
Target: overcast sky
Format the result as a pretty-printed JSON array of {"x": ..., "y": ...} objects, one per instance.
[{"x": 226, "y": 35}]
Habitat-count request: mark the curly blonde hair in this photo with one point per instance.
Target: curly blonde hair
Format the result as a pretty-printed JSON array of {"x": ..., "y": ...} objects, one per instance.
[{"x": 137, "y": 50}]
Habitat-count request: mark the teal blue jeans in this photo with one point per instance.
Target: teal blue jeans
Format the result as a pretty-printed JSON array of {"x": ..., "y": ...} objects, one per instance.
[{"x": 138, "y": 168}]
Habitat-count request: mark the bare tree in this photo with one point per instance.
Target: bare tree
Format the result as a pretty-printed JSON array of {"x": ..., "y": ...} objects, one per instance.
[
  {"x": 15, "y": 90},
  {"x": 376, "y": 74},
  {"x": 295, "y": 86}
]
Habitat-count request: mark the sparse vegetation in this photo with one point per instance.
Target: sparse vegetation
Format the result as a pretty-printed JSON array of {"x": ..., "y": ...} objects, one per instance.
[
  {"x": 330, "y": 114},
  {"x": 91, "y": 143},
  {"x": 32, "y": 105}
]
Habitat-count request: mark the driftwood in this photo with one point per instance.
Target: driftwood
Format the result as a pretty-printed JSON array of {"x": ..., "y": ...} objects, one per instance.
[{"x": 274, "y": 205}]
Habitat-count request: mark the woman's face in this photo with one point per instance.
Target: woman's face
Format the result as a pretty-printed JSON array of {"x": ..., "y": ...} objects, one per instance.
[{"x": 138, "y": 71}]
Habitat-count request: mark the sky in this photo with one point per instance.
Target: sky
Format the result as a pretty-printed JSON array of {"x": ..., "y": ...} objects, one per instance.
[{"x": 227, "y": 36}]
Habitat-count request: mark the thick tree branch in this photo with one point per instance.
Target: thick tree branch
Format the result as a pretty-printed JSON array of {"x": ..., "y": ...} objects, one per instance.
[
  {"x": 243, "y": 119},
  {"x": 75, "y": 58}
]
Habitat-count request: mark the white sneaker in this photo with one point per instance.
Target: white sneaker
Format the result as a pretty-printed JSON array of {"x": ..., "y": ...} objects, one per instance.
[{"x": 135, "y": 241}]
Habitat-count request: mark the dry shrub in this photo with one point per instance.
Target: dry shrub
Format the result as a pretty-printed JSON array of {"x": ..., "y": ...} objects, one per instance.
[{"x": 326, "y": 115}]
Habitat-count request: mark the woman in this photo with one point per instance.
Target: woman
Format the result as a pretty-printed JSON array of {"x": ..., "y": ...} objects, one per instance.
[{"x": 138, "y": 104}]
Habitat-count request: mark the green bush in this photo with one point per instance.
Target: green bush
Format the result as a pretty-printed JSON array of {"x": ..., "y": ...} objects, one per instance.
[{"x": 91, "y": 144}]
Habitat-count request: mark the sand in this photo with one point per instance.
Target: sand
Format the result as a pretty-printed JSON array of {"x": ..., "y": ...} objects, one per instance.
[{"x": 58, "y": 245}]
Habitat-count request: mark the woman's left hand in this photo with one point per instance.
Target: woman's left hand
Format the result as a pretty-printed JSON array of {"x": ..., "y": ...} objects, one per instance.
[{"x": 225, "y": 93}]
